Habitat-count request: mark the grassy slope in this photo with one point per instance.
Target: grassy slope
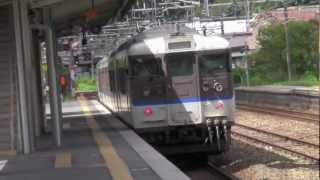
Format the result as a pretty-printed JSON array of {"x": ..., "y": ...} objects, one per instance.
[{"x": 85, "y": 83}]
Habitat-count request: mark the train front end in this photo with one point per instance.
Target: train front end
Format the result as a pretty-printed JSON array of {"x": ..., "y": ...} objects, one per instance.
[{"x": 184, "y": 100}]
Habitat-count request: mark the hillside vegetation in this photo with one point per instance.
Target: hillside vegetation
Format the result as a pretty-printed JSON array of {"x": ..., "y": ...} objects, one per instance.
[{"x": 269, "y": 64}]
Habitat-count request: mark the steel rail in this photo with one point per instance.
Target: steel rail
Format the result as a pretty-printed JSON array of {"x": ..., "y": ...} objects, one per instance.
[
  {"x": 276, "y": 146},
  {"x": 216, "y": 170},
  {"x": 316, "y": 146},
  {"x": 299, "y": 116},
  {"x": 297, "y": 113}
]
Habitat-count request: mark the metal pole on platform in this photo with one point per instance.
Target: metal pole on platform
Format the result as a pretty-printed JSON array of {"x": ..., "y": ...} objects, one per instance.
[
  {"x": 24, "y": 128},
  {"x": 57, "y": 125},
  {"x": 54, "y": 94}
]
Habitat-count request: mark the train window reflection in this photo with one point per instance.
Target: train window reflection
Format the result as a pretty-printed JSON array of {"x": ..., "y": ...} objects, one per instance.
[
  {"x": 180, "y": 64},
  {"x": 145, "y": 67},
  {"x": 210, "y": 64}
]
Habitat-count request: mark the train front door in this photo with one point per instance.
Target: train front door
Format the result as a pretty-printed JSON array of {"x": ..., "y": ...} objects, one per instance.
[{"x": 182, "y": 91}]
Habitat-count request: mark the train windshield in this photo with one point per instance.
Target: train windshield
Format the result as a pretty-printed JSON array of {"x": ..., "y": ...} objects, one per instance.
[
  {"x": 214, "y": 63},
  {"x": 145, "y": 67},
  {"x": 180, "y": 64}
]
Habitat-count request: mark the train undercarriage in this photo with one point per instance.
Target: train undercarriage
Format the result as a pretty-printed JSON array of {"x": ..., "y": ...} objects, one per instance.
[{"x": 209, "y": 139}]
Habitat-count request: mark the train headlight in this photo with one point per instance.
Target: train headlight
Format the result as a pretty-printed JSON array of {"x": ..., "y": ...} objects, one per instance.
[
  {"x": 219, "y": 87},
  {"x": 146, "y": 92},
  {"x": 148, "y": 111},
  {"x": 205, "y": 87}
]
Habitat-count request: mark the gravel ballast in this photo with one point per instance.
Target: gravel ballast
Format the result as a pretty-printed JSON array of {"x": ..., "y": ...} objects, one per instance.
[{"x": 249, "y": 160}]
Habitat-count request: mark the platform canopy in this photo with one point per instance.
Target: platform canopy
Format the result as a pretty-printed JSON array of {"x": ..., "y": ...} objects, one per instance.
[{"x": 69, "y": 13}]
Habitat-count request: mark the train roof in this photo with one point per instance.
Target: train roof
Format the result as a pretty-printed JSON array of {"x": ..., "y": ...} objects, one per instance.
[
  {"x": 155, "y": 40},
  {"x": 164, "y": 30},
  {"x": 160, "y": 45}
]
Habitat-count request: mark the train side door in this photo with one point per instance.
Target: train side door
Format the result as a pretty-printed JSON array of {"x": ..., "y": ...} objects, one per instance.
[{"x": 182, "y": 93}]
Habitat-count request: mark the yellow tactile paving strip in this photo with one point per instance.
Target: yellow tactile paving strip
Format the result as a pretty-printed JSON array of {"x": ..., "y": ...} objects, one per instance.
[
  {"x": 117, "y": 168},
  {"x": 63, "y": 160},
  {"x": 8, "y": 153}
]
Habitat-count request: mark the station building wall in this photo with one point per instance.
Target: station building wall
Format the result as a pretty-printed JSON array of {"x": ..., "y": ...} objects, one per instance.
[{"x": 8, "y": 83}]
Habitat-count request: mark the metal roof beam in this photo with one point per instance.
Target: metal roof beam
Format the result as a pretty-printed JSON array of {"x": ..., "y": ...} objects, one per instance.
[
  {"x": 191, "y": 2},
  {"x": 4, "y": 2},
  {"x": 43, "y": 3}
]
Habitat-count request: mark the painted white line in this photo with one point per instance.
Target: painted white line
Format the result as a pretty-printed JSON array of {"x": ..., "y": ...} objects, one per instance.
[{"x": 3, "y": 164}]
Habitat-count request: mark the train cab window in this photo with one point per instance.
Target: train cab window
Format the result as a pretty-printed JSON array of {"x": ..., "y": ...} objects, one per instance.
[
  {"x": 180, "y": 64},
  {"x": 211, "y": 64},
  {"x": 145, "y": 67}
]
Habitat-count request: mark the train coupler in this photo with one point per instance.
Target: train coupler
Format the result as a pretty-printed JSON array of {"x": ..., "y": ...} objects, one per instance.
[{"x": 225, "y": 131}]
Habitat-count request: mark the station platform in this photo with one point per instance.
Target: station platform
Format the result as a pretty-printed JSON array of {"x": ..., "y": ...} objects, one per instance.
[
  {"x": 292, "y": 98},
  {"x": 96, "y": 145},
  {"x": 314, "y": 90}
]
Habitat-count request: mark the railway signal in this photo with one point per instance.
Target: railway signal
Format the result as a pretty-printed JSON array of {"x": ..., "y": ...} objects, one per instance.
[{"x": 76, "y": 60}]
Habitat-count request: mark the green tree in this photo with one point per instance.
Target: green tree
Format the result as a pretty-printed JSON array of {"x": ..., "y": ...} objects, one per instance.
[{"x": 269, "y": 62}]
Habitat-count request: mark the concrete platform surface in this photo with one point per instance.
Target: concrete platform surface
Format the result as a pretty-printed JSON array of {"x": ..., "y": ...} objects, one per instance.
[{"x": 96, "y": 145}]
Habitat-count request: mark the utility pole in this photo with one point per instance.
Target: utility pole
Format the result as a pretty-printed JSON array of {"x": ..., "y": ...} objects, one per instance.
[
  {"x": 247, "y": 8},
  {"x": 222, "y": 22},
  {"x": 154, "y": 11},
  {"x": 247, "y": 64},
  {"x": 318, "y": 63},
  {"x": 206, "y": 7},
  {"x": 92, "y": 65},
  {"x": 287, "y": 39}
]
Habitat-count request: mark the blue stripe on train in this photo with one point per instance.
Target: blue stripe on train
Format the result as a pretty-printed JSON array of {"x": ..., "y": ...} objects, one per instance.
[{"x": 177, "y": 101}]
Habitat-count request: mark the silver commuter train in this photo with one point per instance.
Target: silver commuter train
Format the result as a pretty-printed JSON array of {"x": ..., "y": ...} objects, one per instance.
[{"x": 173, "y": 86}]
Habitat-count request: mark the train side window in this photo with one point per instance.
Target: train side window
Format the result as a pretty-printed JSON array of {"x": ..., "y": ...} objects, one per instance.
[{"x": 211, "y": 64}]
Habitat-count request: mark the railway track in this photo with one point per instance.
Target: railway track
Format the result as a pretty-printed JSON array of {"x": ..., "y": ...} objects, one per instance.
[
  {"x": 299, "y": 141},
  {"x": 291, "y": 145},
  {"x": 294, "y": 115}
]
